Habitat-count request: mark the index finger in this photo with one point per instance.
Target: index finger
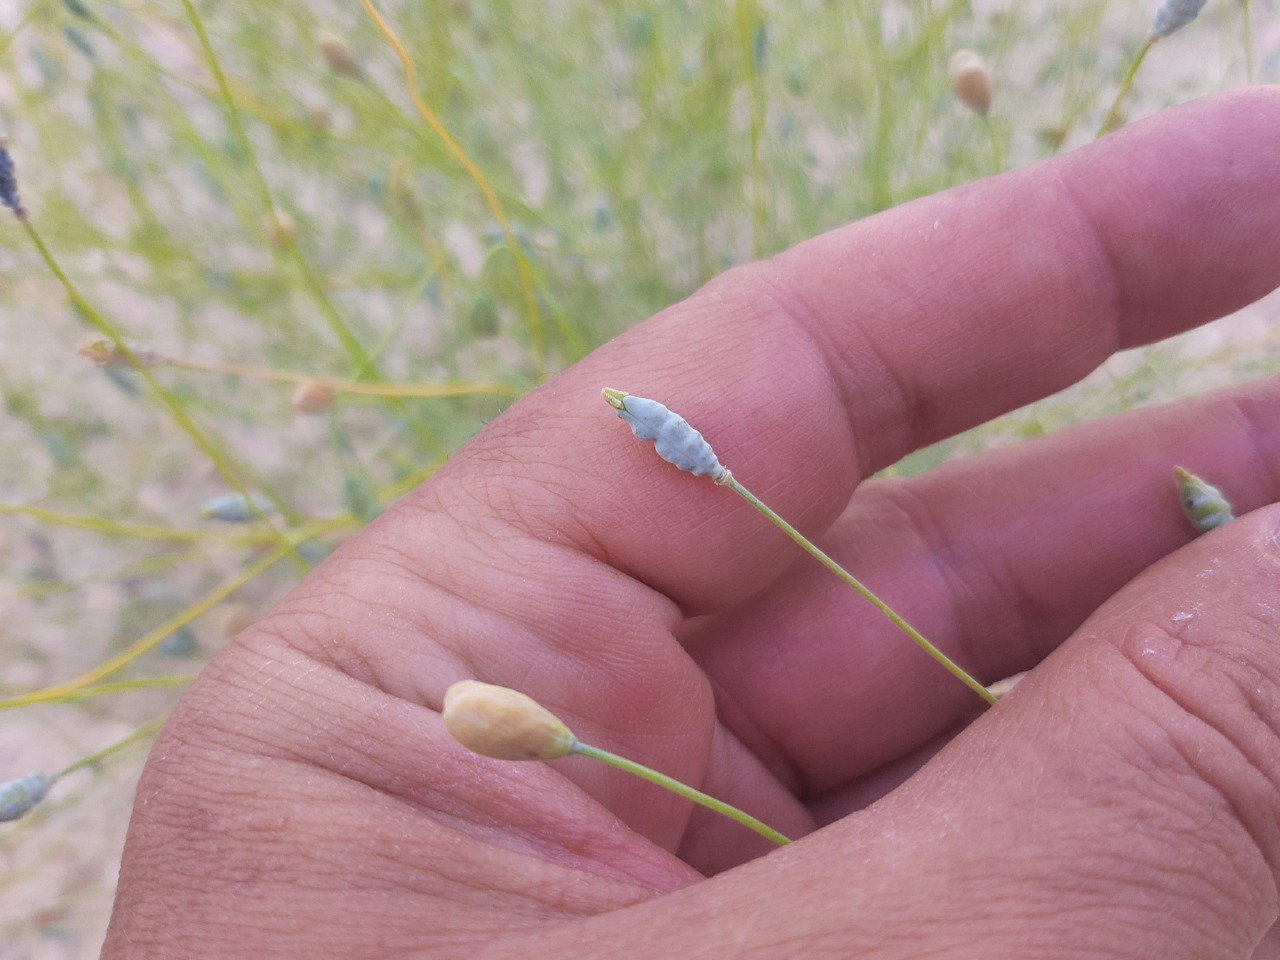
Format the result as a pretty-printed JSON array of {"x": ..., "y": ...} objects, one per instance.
[{"x": 814, "y": 369}]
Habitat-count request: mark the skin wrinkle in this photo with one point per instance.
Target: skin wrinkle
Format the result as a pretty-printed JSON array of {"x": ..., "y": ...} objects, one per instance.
[
  {"x": 1210, "y": 775},
  {"x": 952, "y": 573},
  {"x": 605, "y": 662},
  {"x": 309, "y": 752},
  {"x": 792, "y": 308},
  {"x": 1159, "y": 503},
  {"x": 1112, "y": 298},
  {"x": 1248, "y": 425}
]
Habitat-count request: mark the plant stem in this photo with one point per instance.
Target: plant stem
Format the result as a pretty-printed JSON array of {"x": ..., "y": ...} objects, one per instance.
[
  {"x": 220, "y": 459},
  {"x": 524, "y": 272},
  {"x": 682, "y": 789},
  {"x": 955, "y": 669},
  {"x": 1248, "y": 44},
  {"x": 1112, "y": 119},
  {"x": 995, "y": 144},
  {"x": 146, "y": 730}
]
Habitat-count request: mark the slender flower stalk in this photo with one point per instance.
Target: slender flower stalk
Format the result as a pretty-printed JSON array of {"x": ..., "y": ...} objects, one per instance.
[
  {"x": 505, "y": 724},
  {"x": 20, "y": 796},
  {"x": 1171, "y": 16},
  {"x": 678, "y": 443}
]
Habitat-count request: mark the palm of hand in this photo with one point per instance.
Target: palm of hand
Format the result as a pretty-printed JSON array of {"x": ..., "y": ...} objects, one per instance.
[{"x": 306, "y": 782}]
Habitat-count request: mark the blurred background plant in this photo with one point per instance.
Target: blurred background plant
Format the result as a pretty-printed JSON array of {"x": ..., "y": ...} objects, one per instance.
[{"x": 269, "y": 281}]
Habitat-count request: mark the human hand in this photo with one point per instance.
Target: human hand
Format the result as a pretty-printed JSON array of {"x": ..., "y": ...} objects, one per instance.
[{"x": 304, "y": 799}]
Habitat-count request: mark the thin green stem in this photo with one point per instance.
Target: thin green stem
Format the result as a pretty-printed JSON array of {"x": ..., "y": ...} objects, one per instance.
[
  {"x": 128, "y": 686},
  {"x": 365, "y": 365},
  {"x": 143, "y": 732},
  {"x": 1248, "y": 43},
  {"x": 490, "y": 196},
  {"x": 995, "y": 143},
  {"x": 1112, "y": 119},
  {"x": 682, "y": 789},
  {"x": 952, "y": 667},
  {"x": 220, "y": 459},
  {"x": 748, "y": 23},
  {"x": 154, "y": 637}
]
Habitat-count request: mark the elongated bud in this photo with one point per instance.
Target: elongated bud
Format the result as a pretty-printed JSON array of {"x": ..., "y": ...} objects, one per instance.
[
  {"x": 104, "y": 353},
  {"x": 17, "y": 797},
  {"x": 675, "y": 441},
  {"x": 1173, "y": 15},
  {"x": 236, "y": 508},
  {"x": 504, "y": 724},
  {"x": 971, "y": 81},
  {"x": 337, "y": 55},
  {"x": 1202, "y": 503},
  {"x": 9, "y": 182}
]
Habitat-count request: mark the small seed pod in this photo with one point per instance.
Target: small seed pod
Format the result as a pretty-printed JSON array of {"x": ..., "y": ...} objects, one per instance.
[
  {"x": 236, "y": 508},
  {"x": 504, "y": 724},
  {"x": 1172, "y": 16},
  {"x": 9, "y": 182},
  {"x": 79, "y": 9},
  {"x": 17, "y": 797},
  {"x": 280, "y": 229},
  {"x": 337, "y": 55},
  {"x": 312, "y": 396},
  {"x": 320, "y": 117},
  {"x": 104, "y": 353},
  {"x": 971, "y": 80},
  {"x": 1202, "y": 503},
  {"x": 675, "y": 441}
]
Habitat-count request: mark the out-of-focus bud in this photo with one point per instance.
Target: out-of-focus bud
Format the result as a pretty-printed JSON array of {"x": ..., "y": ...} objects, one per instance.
[
  {"x": 337, "y": 55},
  {"x": 280, "y": 229},
  {"x": 971, "y": 80},
  {"x": 104, "y": 353},
  {"x": 1173, "y": 15},
  {"x": 312, "y": 397}
]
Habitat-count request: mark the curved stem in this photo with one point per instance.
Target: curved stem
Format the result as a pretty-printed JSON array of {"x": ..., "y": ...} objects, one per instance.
[
  {"x": 1112, "y": 119},
  {"x": 681, "y": 789}
]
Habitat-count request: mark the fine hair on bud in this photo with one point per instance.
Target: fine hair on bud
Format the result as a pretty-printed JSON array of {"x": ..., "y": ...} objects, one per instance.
[
  {"x": 504, "y": 724},
  {"x": 971, "y": 80}
]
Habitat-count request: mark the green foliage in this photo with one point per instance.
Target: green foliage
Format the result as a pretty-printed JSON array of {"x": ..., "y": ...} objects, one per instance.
[{"x": 248, "y": 197}]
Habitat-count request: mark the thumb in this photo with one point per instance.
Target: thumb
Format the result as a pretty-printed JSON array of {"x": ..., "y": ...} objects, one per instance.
[{"x": 1121, "y": 802}]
